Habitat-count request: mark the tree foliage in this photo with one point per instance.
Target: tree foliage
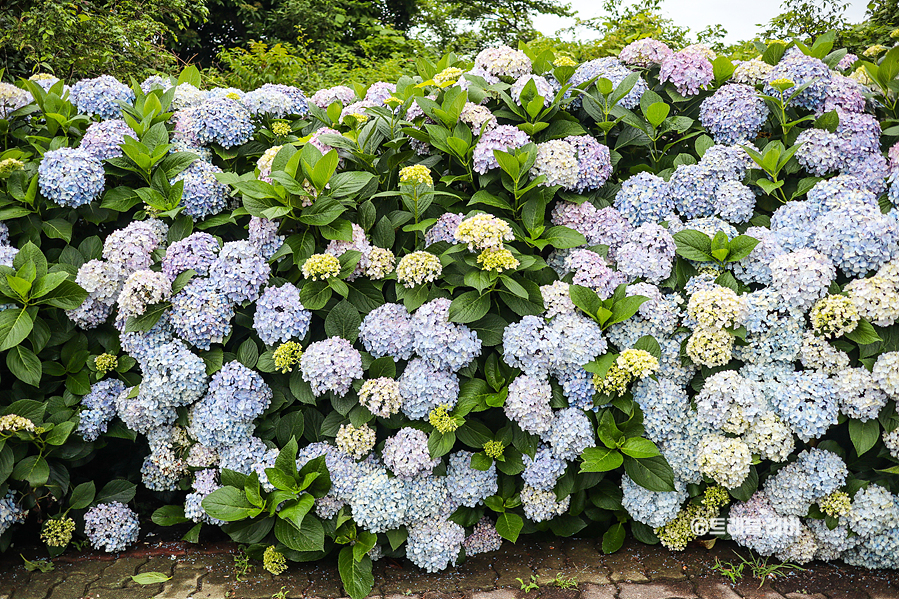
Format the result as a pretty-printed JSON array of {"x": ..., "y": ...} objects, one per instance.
[{"x": 121, "y": 38}]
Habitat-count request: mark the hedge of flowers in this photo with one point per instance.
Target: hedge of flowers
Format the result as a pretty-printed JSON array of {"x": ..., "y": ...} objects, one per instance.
[{"x": 486, "y": 300}]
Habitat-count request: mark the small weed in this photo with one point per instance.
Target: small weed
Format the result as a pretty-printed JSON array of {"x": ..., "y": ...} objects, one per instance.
[
  {"x": 242, "y": 564},
  {"x": 282, "y": 594},
  {"x": 733, "y": 572},
  {"x": 760, "y": 568},
  {"x": 564, "y": 582},
  {"x": 527, "y": 587}
]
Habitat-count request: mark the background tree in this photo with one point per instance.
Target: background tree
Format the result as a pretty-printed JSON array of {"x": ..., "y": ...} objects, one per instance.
[
  {"x": 466, "y": 26},
  {"x": 117, "y": 37}
]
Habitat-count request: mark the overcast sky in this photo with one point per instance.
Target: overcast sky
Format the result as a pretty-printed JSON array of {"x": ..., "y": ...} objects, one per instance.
[{"x": 739, "y": 17}]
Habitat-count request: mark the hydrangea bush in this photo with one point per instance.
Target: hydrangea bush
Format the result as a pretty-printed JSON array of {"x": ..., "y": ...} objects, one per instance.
[{"x": 488, "y": 299}]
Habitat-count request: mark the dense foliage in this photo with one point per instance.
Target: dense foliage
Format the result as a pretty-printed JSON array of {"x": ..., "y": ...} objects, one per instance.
[
  {"x": 484, "y": 300},
  {"x": 323, "y": 43}
]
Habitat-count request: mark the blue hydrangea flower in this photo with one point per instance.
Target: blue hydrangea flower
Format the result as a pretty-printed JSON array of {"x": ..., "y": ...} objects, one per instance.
[
  {"x": 10, "y": 512},
  {"x": 276, "y": 100},
  {"x": 507, "y": 138},
  {"x": 205, "y": 482},
  {"x": 755, "y": 524},
  {"x": 530, "y": 345},
  {"x": 806, "y": 402},
  {"x": 239, "y": 272},
  {"x": 874, "y": 510},
  {"x": 605, "y": 226},
  {"x": 857, "y": 237},
  {"x": 220, "y": 121},
  {"x": 428, "y": 498},
  {"x": 734, "y": 114},
  {"x": 794, "y": 225},
  {"x": 236, "y": 396},
  {"x": 197, "y": 252},
  {"x": 423, "y": 387},
  {"x": 652, "y": 508},
  {"x": 820, "y": 152},
  {"x": 577, "y": 386},
  {"x": 528, "y": 404},
  {"x": 593, "y": 161},
  {"x": 800, "y": 69},
  {"x": 644, "y": 198},
  {"x": 387, "y": 331},
  {"x": 434, "y": 546},
  {"x": 466, "y": 485},
  {"x": 378, "y": 501},
  {"x": 815, "y": 474},
  {"x": 444, "y": 344},
  {"x": 201, "y": 314},
  {"x": 263, "y": 235},
  {"x": 570, "y": 433},
  {"x": 727, "y": 162},
  {"x": 608, "y": 68},
  {"x": 331, "y": 365},
  {"x": 203, "y": 194},
  {"x": 543, "y": 470},
  {"x": 692, "y": 190},
  {"x": 99, "y": 408},
  {"x": 101, "y": 96},
  {"x": 280, "y": 316},
  {"x": 111, "y": 526},
  {"x": 71, "y": 177},
  {"x": 580, "y": 340},
  {"x": 103, "y": 140},
  {"x": 406, "y": 453},
  {"x": 665, "y": 406}
]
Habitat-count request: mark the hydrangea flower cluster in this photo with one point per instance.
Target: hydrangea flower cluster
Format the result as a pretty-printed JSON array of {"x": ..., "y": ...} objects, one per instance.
[
  {"x": 111, "y": 527},
  {"x": 71, "y": 177}
]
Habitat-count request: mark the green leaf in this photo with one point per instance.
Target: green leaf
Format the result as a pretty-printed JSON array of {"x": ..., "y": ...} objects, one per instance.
[
  {"x": 248, "y": 353},
  {"x": 563, "y": 237},
  {"x": 60, "y": 433},
  {"x": 57, "y": 228},
  {"x": 693, "y": 245},
  {"x": 585, "y": 299},
  {"x": 182, "y": 280},
  {"x": 613, "y": 538},
  {"x": 44, "y": 285},
  {"x": 150, "y": 577},
  {"x": 357, "y": 578},
  {"x": 314, "y": 295},
  {"x": 638, "y": 447},
  {"x": 656, "y": 113},
  {"x": 864, "y": 435},
  {"x": 310, "y": 537},
  {"x": 228, "y": 504},
  {"x": 650, "y": 473},
  {"x": 648, "y": 343},
  {"x": 509, "y": 526},
  {"x": 68, "y": 295},
  {"x": 343, "y": 320},
  {"x": 469, "y": 307},
  {"x": 24, "y": 365},
  {"x": 169, "y": 515},
  {"x": 864, "y": 333},
  {"x": 440, "y": 444},
  {"x": 83, "y": 496},
  {"x": 15, "y": 326},
  {"x": 116, "y": 490},
  {"x": 740, "y": 246},
  {"x": 34, "y": 469},
  {"x": 600, "y": 459}
]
